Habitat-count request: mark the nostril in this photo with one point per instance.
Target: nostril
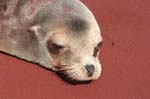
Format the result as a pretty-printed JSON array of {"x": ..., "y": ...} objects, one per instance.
[{"x": 90, "y": 69}]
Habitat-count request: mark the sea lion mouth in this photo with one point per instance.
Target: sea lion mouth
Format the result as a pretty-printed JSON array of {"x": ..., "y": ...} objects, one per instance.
[
  {"x": 66, "y": 77},
  {"x": 70, "y": 76}
]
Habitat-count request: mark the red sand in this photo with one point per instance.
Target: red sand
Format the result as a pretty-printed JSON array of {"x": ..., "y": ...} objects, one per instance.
[{"x": 125, "y": 58}]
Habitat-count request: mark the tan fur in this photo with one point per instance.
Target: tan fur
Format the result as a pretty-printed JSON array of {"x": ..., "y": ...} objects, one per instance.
[{"x": 31, "y": 29}]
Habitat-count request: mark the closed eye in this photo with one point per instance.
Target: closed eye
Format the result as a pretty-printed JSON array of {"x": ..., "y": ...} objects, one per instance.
[
  {"x": 97, "y": 48},
  {"x": 58, "y": 47},
  {"x": 99, "y": 45},
  {"x": 55, "y": 48}
]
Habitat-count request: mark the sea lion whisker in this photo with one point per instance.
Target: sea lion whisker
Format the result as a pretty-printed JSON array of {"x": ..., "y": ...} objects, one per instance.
[{"x": 64, "y": 70}]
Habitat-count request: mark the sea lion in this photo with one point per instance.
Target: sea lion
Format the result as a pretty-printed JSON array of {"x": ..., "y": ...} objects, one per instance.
[{"x": 61, "y": 35}]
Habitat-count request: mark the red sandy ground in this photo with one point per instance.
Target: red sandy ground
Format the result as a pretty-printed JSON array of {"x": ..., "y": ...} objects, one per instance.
[{"x": 125, "y": 58}]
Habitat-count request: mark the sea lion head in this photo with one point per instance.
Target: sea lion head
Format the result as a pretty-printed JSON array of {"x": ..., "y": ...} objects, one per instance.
[{"x": 72, "y": 40}]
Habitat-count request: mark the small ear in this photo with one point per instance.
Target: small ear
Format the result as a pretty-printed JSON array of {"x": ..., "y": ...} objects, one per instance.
[{"x": 34, "y": 29}]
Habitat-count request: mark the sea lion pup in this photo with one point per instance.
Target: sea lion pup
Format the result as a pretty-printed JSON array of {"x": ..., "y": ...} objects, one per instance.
[{"x": 61, "y": 35}]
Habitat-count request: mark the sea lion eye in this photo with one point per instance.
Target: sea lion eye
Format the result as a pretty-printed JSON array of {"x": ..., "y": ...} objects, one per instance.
[
  {"x": 96, "y": 49},
  {"x": 55, "y": 48}
]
